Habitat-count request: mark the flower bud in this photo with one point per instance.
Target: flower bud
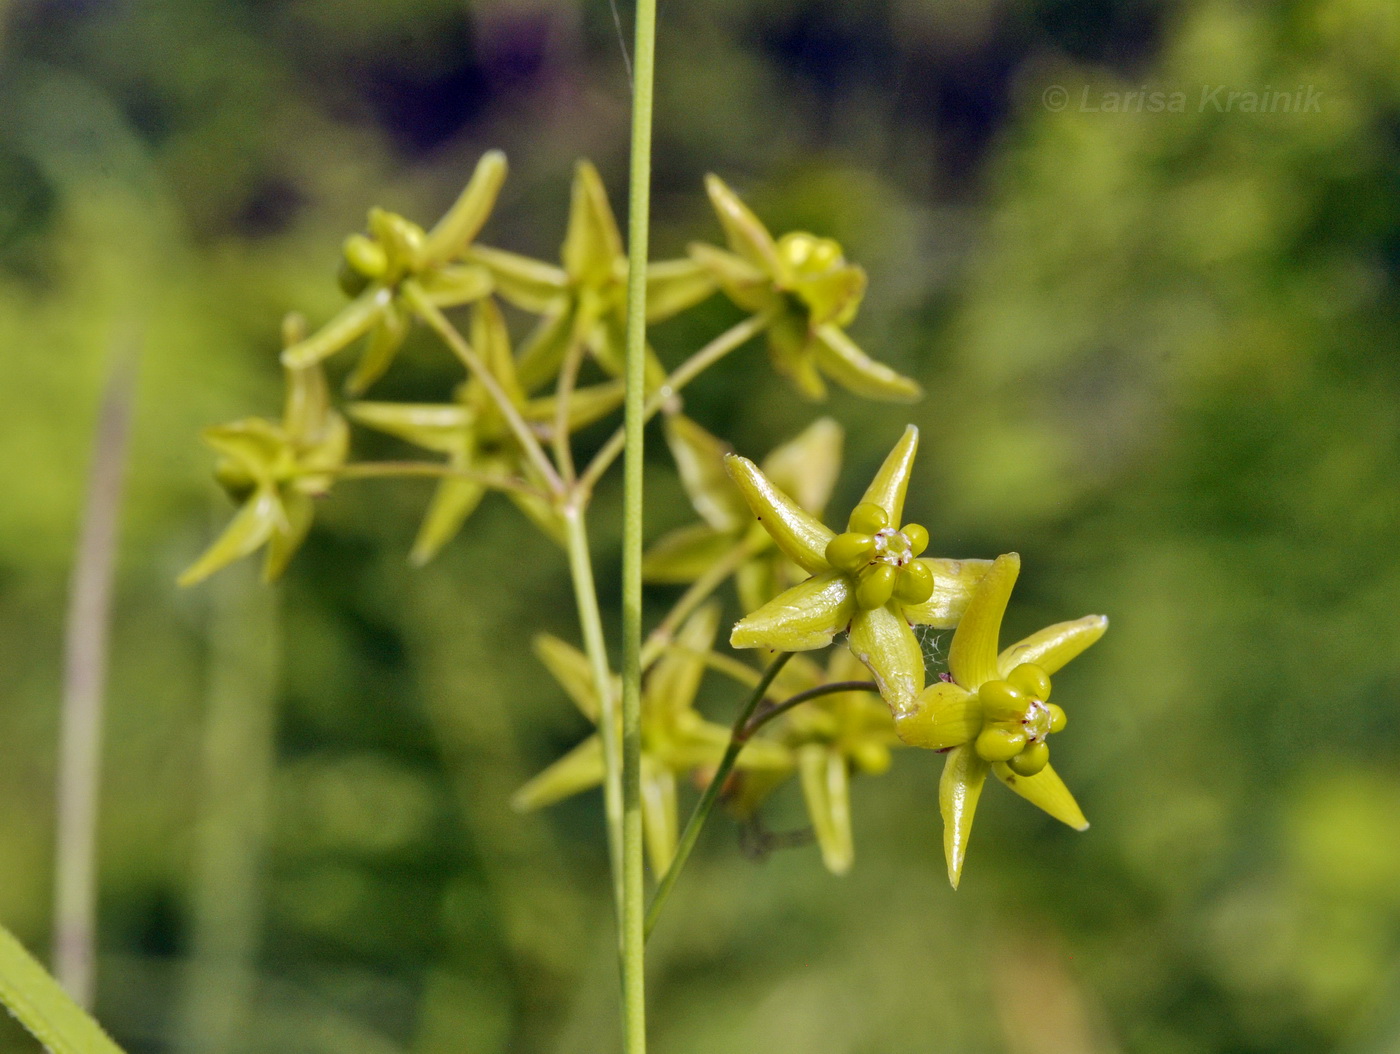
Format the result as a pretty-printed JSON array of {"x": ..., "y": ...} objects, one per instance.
[
  {"x": 999, "y": 743},
  {"x": 915, "y": 584},
  {"x": 365, "y": 256},
  {"x": 867, "y": 518},
  {"x": 1002, "y": 702},
  {"x": 850, "y": 551},
  {"x": 918, "y": 537},
  {"x": 1031, "y": 679},
  {"x": 1058, "y": 718},
  {"x": 876, "y": 586},
  {"x": 1031, "y": 760}
]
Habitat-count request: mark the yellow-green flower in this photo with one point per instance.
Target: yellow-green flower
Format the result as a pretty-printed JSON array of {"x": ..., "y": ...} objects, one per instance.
[
  {"x": 805, "y": 467},
  {"x": 275, "y": 470},
  {"x": 586, "y": 299},
  {"x": 396, "y": 251},
  {"x": 675, "y": 739},
  {"x": 869, "y": 581},
  {"x": 995, "y": 714},
  {"x": 812, "y": 293},
  {"x": 474, "y": 435}
]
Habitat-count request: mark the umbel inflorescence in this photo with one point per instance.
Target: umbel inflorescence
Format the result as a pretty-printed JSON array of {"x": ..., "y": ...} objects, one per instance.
[{"x": 508, "y": 427}]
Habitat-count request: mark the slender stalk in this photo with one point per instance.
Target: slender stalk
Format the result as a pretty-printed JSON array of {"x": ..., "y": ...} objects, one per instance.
[
  {"x": 84, "y": 685},
  {"x": 392, "y": 469},
  {"x": 686, "y": 372},
  {"x": 563, "y": 395},
  {"x": 835, "y": 687},
  {"x": 634, "y": 420},
  {"x": 429, "y": 313},
  {"x": 737, "y": 739},
  {"x": 610, "y": 719}
]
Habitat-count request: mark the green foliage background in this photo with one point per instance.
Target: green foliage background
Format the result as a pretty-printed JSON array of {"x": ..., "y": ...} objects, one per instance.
[{"x": 1161, "y": 352}]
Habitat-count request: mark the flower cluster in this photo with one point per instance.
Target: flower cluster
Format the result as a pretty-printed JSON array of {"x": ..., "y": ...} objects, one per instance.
[{"x": 508, "y": 426}]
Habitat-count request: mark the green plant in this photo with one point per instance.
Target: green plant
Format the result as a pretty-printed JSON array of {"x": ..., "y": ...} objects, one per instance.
[{"x": 508, "y": 428}]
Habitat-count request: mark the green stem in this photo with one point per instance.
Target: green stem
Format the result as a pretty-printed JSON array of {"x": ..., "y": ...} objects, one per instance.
[
  {"x": 594, "y": 645},
  {"x": 835, "y": 687},
  {"x": 737, "y": 738},
  {"x": 683, "y": 374},
  {"x": 634, "y": 420}
]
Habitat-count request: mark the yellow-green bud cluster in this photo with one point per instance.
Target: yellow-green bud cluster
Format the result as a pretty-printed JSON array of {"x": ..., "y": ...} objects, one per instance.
[
  {"x": 393, "y": 248},
  {"x": 1016, "y": 719},
  {"x": 882, "y": 559},
  {"x": 809, "y": 255}
]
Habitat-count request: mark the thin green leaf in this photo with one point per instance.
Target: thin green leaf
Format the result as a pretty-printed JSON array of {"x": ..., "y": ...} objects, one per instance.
[{"x": 44, "y": 1008}]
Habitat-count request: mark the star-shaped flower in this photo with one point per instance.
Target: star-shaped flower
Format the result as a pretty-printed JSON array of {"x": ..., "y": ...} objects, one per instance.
[
  {"x": 675, "y": 738},
  {"x": 586, "y": 299},
  {"x": 869, "y": 581},
  {"x": 995, "y": 715},
  {"x": 275, "y": 469},
  {"x": 805, "y": 467},
  {"x": 395, "y": 252},
  {"x": 813, "y": 294},
  {"x": 474, "y": 435}
]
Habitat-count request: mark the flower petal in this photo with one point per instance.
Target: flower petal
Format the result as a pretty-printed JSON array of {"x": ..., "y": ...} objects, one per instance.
[
  {"x": 945, "y": 715},
  {"x": 1055, "y": 645},
  {"x": 453, "y": 503},
  {"x": 592, "y": 243},
  {"x": 578, "y": 770},
  {"x": 746, "y": 233},
  {"x": 885, "y": 643},
  {"x": 442, "y": 427},
  {"x": 250, "y": 527},
  {"x": 700, "y": 460},
  {"x": 674, "y": 680},
  {"x": 842, "y": 360},
  {"x": 675, "y": 285},
  {"x": 464, "y": 220},
  {"x": 1047, "y": 791},
  {"x": 298, "y": 509},
  {"x": 964, "y": 773},
  {"x": 491, "y": 340},
  {"x": 972, "y": 657},
  {"x": 586, "y": 405},
  {"x": 804, "y": 617},
  {"x": 741, "y": 281},
  {"x": 826, "y": 791},
  {"x": 548, "y": 342},
  {"x": 683, "y": 555},
  {"x": 798, "y": 533},
  {"x": 954, "y": 584},
  {"x": 254, "y": 444},
  {"x": 529, "y": 284},
  {"x": 659, "y": 819},
  {"x": 833, "y": 295},
  {"x": 887, "y": 488},
  {"x": 571, "y": 668},
  {"x": 807, "y": 465},
  {"x": 354, "y": 320},
  {"x": 455, "y": 285},
  {"x": 385, "y": 339}
]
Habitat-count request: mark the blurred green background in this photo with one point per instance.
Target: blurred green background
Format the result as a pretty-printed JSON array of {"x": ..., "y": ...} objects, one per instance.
[{"x": 1161, "y": 356}]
